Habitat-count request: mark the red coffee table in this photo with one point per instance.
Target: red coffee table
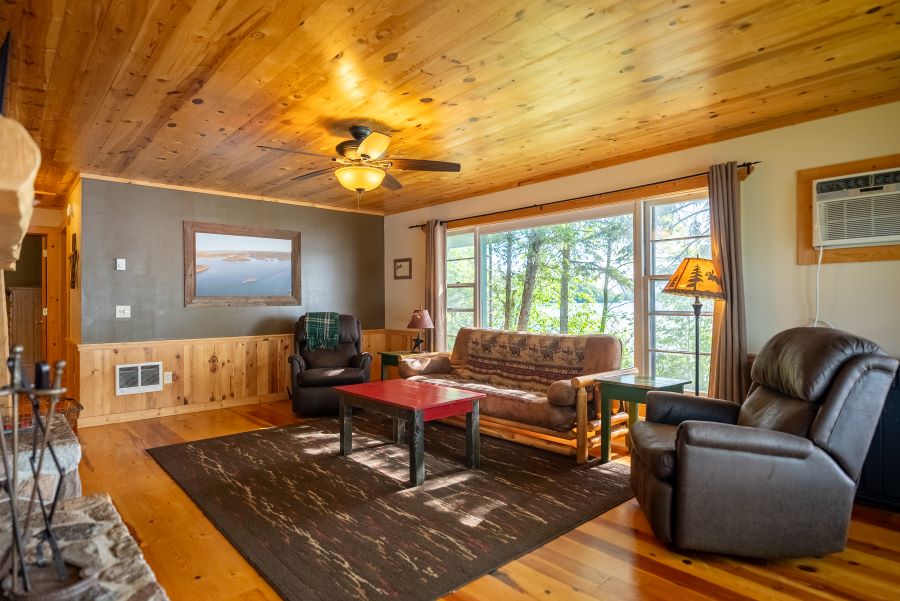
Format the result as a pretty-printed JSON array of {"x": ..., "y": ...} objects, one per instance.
[{"x": 411, "y": 403}]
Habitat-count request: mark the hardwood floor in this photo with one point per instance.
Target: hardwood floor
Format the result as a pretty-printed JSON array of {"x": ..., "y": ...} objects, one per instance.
[{"x": 611, "y": 557}]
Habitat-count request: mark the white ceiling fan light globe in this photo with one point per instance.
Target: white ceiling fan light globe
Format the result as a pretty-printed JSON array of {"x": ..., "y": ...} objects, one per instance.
[{"x": 359, "y": 177}]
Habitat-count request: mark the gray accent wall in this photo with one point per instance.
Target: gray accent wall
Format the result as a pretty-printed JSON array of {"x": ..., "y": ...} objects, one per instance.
[{"x": 341, "y": 263}]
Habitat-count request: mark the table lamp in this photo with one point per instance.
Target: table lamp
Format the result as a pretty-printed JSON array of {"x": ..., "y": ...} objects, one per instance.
[
  {"x": 698, "y": 278},
  {"x": 420, "y": 320}
]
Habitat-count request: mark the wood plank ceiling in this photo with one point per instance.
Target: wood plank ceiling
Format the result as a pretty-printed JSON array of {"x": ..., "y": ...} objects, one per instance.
[{"x": 183, "y": 91}]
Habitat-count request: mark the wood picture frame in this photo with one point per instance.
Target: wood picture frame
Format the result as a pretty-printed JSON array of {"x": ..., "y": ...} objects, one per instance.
[
  {"x": 403, "y": 269},
  {"x": 807, "y": 254},
  {"x": 240, "y": 257}
]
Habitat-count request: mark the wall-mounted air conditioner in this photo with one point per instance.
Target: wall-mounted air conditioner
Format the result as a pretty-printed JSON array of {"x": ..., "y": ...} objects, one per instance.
[
  {"x": 139, "y": 377},
  {"x": 862, "y": 209}
]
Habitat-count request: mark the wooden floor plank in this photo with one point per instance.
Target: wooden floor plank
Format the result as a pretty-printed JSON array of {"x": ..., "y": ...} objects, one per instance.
[{"x": 614, "y": 556}]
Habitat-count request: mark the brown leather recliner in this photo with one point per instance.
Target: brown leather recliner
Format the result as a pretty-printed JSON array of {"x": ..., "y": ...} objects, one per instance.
[
  {"x": 774, "y": 477},
  {"x": 314, "y": 373}
]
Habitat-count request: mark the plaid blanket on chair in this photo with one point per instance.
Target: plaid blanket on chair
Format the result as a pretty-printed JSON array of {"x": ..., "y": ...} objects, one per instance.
[{"x": 323, "y": 330}]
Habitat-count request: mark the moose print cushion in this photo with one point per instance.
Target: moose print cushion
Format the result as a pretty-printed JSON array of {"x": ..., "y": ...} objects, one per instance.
[{"x": 532, "y": 361}]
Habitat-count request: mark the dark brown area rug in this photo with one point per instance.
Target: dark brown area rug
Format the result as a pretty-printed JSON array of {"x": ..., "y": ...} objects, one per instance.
[{"x": 318, "y": 526}]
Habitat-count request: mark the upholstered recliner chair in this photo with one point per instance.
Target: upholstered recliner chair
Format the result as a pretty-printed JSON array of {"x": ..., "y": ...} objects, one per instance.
[
  {"x": 314, "y": 373},
  {"x": 774, "y": 477}
]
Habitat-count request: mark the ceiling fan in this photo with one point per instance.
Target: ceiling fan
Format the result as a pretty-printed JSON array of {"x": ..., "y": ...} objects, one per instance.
[{"x": 361, "y": 163}]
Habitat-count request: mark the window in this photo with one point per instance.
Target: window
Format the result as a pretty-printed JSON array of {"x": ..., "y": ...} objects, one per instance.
[
  {"x": 675, "y": 230},
  {"x": 460, "y": 283},
  {"x": 575, "y": 277},
  {"x": 601, "y": 270}
]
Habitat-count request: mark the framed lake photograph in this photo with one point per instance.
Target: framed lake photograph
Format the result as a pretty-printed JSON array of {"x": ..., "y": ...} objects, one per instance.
[{"x": 229, "y": 266}]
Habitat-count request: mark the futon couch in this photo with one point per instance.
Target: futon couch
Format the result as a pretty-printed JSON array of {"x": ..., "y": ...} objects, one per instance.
[{"x": 528, "y": 382}]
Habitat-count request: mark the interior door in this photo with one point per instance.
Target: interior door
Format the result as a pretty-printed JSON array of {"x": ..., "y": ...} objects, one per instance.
[{"x": 26, "y": 325}]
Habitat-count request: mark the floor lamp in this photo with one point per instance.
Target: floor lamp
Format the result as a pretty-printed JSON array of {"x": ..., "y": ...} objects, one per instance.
[{"x": 698, "y": 278}]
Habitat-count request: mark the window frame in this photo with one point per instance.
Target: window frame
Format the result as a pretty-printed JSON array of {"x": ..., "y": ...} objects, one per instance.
[
  {"x": 473, "y": 285},
  {"x": 630, "y": 207},
  {"x": 649, "y": 278},
  {"x": 643, "y": 278}
]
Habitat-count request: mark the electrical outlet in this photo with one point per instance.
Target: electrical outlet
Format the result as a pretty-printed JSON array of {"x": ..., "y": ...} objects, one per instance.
[
  {"x": 167, "y": 377},
  {"x": 120, "y": 264},
  {"x": 123, "y": 311}
]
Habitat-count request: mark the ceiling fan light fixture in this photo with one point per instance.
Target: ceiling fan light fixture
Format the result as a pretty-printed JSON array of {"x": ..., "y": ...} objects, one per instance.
[
  {"x": 359, "y": 177},
  {"x": 374, "y": 146}
]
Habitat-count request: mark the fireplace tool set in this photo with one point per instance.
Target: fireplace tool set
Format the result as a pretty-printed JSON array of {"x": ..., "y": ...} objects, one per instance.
[{"x": 33, "y": 567}]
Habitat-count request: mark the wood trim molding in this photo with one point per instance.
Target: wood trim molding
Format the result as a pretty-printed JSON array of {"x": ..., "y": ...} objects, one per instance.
[
  {"x": 807, "y": 254},
  {"x": 117, "y": 418},
  {"x": 288, "y": 201},
  {"x": 102, "y": 346},
  {"x": 654, "y": 190},
  {"x": 52, "y": 290},
  {"x": 105, "y": 346}
]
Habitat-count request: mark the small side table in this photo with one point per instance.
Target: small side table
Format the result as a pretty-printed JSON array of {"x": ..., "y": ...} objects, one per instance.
[
  {"x": 633, "y": 390},
  {"x": 391, "y": 358}
]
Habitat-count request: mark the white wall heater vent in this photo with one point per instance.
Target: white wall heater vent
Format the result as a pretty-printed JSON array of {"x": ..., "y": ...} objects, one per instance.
[
  {"x": 139, "y": 377},
  {"x": 861, "y": 209}
]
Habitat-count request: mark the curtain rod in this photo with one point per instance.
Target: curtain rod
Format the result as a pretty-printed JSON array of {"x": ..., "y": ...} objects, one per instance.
[{"x": 746, "y": 165}]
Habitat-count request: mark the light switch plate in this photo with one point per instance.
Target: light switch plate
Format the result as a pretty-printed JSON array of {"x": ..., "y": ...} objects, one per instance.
[
  {"x": 123, "y": 311},
  {"x": 120, "y": 264},
  {"x": 167, "y": 377}
]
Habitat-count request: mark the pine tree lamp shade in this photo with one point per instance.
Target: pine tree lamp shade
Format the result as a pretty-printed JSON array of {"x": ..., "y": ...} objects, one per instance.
[{"x": 698, "y": 278}]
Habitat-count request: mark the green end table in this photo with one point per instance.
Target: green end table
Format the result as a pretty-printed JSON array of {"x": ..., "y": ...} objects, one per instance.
[
  {"x": 633, "y": 390},
  {"x": 389, "y": 358}
]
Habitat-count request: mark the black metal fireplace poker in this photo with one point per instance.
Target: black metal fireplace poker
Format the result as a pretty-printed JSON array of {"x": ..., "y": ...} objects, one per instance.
[{"x": 27, "y": 575}]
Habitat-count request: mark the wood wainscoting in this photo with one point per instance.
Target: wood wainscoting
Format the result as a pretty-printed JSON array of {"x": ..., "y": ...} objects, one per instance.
[
  {"x": 386, "y": 340},
  {"x": 207, "y": 373}
]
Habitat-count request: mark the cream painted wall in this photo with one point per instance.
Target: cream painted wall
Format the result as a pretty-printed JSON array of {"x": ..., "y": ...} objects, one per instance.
[
  {"x": 862, "y": 298},
  {"x": 47, "y": 217}
]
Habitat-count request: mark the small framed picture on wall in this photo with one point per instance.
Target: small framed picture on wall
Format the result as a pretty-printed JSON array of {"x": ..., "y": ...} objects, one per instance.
[{"x": 402, "y": 269}]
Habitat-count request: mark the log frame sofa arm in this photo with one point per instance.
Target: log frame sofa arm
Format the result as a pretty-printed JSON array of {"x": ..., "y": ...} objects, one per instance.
[
  {"x": 563, "y": 392},
  {"x": 581, "y": 383},
  {"x": 591, "y": 379}
]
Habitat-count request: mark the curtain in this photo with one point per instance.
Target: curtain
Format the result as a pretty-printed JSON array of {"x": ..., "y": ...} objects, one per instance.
[
  {"x": 728, "y": 378},
  {"x": 436, "y": 284}
]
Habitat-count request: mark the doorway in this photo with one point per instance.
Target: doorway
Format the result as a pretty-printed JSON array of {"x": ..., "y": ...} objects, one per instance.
[{"x": 25, "y": 291}]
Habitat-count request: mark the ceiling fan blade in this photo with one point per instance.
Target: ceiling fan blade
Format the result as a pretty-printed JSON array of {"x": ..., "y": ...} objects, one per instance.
[
  {"x": 306, "y": 176},
  {"x": 291, "y": 151},
  {"x": 374, "y": 145},
  {"x": 423, "y": 165},
  {"x": 390, "y": 182}
]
